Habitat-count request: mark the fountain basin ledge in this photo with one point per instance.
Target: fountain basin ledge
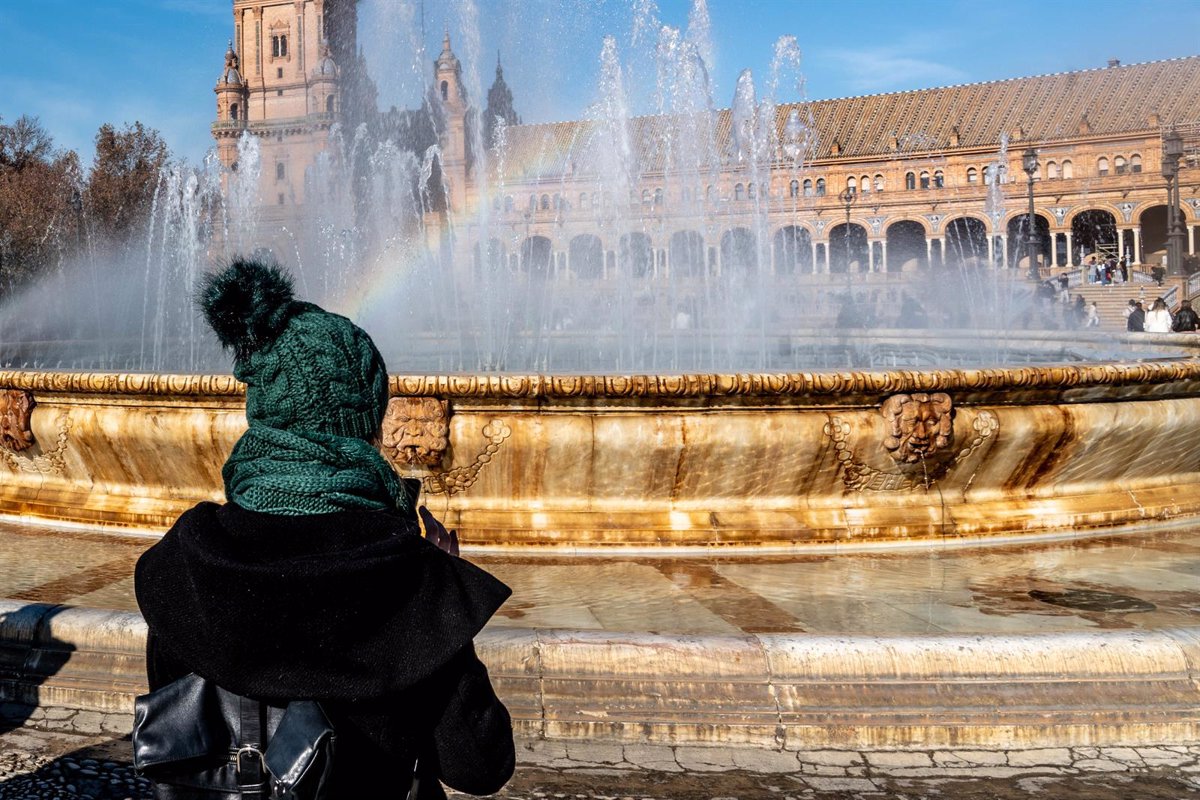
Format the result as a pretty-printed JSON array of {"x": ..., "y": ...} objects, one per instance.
[{"x": 757, "y": 461}]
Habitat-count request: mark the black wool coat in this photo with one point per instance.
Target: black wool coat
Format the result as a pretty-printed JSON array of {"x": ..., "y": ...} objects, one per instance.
[{"x": 354, "y": 609}]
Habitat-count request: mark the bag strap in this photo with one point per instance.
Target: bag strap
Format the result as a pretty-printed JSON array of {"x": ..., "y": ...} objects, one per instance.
[{"x": 251, "y": 767}]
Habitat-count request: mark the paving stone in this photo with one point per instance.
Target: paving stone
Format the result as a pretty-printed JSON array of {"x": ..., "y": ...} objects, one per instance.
[
  {"x": 540, "y": 751},
  {"x": 832, "y": 758},
  {"x": 1051, "y": 756},
  {"x": 1100, "y": 765},
  {"x": 88, "y": 722},
  {"x": 1086, "y": 752},
  {"x": 888, "y": 760},
  {"x": 765, "y": 761},
  {"x": 982, "y": 757},
  {"x": 825, "y": 769},
  {"x": 1162, "y": 757},
  {"x": 58, "y": 713},
  {"x": 651, "y": 757},
  {"x": 704, "y": 759},
  {"x": 841, "y": 784},
  {"x": 1127, "y": 754},
  {"x": 595, "y": 753},
  {"x": 121, "y": 724}
]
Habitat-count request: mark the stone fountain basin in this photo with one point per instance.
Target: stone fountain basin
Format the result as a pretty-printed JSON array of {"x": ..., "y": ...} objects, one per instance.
[{"x": 762, "y": 461}]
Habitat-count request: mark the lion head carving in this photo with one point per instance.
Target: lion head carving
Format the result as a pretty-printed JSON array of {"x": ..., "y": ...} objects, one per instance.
[{"x": 918, "y": 425}]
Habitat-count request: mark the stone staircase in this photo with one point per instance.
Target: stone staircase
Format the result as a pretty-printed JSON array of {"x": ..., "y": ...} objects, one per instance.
[{"x": 1111, "y": 300}]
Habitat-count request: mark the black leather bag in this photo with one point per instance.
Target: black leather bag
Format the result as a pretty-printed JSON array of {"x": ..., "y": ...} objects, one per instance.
[{"x": 197, "y": 741}]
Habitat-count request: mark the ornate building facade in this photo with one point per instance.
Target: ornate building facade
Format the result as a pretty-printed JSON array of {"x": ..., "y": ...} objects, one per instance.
[{"x": 874, "y": 184}]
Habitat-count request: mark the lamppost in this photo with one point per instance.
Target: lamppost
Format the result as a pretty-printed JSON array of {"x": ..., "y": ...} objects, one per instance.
[
  {"x": 1029, "y": 162},
  {"x": 848, "y": 198},
  {"x": 1172, "y": 144}
]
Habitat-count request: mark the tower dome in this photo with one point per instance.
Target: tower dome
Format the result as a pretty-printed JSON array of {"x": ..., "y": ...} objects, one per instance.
[{"x": 231, "y": 73}]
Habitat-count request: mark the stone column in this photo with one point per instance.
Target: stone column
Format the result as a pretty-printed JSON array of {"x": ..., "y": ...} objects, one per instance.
[
  {"x": 1070, "y": 250},
  {"x": 883, "y": 267},
  {"x": 870, "y": 256},
  {"x": 928, "y": 252},
  {"x": 1120, "y": 242},
  {"x": 826, "y": 256},
  {"x": 816, "y": 268},
  {"x": 1137, "y": 245},
  {"x": 1004, "y": 250},
  {"x": 1191, "y": 240}
]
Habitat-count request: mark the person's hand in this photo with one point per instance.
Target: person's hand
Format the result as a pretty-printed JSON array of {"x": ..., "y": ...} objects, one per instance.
[{"x": 436, "y": 532}]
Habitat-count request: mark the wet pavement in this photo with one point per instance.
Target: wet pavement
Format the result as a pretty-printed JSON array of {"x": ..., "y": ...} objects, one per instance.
[{"x": 1139, "y": 580}]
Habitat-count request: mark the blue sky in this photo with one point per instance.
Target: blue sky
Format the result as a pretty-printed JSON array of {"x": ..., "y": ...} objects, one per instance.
[{"x": 79, "y": 63}]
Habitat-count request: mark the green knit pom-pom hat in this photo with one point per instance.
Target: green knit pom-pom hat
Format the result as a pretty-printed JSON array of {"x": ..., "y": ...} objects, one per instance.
[{"x": 305, "y": 369}]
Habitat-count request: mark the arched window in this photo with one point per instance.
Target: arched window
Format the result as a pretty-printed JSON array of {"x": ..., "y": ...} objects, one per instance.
[
  {"x": 1068, "y": 171},
  {"x": 924, "y": 179},
  {"x": 852, "y": 184},
  {"x": 645, "y": 197},
  {"x": 558, "y": 202},
  {"x": 939, "y": 179},
  {"x": 972, "y": 175},
  {"x": 445, "y": 91},
  {"x": 751, "y": 191},
  {"x": 234, "y": 111},
  {"x": 329, "y": 104},
  {"x": 910, "y": 181},
  {"x": 1102, "y": 167},
  {"x": 739, "y": 192},
  {"x": 279, "y": 46},
  {"x": 879, "y": 183},
  {"x": 508, "y": 203},
  {"x": 709, "y": 194},
  {"x": 794, "y": 188},
  {"x": 808, "y": 189},
  {"x": 865, "y": 183},
  {"x": 658, "y": 197},
  {"x": 280, "y": 171},
  {"x": 1135, "y": 163},
  {"x": 820, "y": 187},
  {"x": 533, "y": 202},
  {"x": 1120, "y": 165},
  {"x": 987, "y": 175},
  {"x": 545, "y": 202},
  {"x": 1051, "y": 171},
  {"x": 583, "y": 198}
]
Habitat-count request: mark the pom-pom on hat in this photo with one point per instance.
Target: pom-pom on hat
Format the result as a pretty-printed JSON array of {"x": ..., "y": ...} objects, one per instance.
[{"x": 305, "y": 369}]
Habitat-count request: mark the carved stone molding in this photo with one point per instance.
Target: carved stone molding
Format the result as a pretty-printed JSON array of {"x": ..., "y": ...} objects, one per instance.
[
  {"x": 16, "y": 412},
  {"x": 516, "y": 387},
  {"x": 416, "y": 430},
  {"x": 919, "y": 425}
]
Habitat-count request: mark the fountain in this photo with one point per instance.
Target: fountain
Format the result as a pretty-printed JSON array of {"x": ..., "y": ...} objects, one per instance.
[{"x": 635, "y": 400}]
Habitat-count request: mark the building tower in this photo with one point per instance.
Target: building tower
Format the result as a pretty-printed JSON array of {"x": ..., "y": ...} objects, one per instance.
[
  {"x": 499, "y": 106},
  {"x": 285, "y": 56},
  {"x": 450, "y": 91},
  {"x": 232, "y": 97}
]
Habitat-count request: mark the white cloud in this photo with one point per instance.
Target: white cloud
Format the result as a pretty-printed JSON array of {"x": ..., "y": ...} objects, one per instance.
[{"x": 891, "y": 68}]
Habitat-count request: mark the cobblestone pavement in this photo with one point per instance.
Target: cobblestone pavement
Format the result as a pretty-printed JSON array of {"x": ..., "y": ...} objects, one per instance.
[{"x": 55, "y": 764}]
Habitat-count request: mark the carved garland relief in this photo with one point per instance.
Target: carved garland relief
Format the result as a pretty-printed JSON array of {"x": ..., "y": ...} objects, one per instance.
[{"x": 920, "y": 430}]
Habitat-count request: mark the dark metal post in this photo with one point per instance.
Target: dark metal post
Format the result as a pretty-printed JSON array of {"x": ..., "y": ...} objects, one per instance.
[
  {"x": 848, "y": 197},
  {"x": 1029, "y": 162},
  {"x": 1172, "y": 151}
]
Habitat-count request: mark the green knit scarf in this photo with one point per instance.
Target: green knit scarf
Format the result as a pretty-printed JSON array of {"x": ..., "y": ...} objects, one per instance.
[{"x": 295, "y": 473}]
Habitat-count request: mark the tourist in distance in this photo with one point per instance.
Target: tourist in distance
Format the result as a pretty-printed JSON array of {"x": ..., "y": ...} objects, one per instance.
[
  {"x": 313, "y": 580},
  {"x": 1136, "y": 321},
  {"x": 1093, "y": 316},
  {"x": 1186, "y": 319},
  {"x": 1158, "y": 318}
]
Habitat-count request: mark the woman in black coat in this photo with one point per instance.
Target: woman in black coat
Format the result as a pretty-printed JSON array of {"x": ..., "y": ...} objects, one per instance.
[{"x": 313, "y": 581}]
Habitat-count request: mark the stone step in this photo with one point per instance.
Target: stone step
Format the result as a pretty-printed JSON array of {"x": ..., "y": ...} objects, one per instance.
[{"x": 81, "y": 668}]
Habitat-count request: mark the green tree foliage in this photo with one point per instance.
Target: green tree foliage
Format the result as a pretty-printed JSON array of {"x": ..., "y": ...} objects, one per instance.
[{"x": 39, "y": 202}]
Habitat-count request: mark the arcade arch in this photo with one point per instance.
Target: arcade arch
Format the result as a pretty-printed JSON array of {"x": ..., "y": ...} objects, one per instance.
[
  {"x": 792, "y": 248},
  {"x": 848, "y": 248},
  {"x": 906, "y": 248},
  {"x": 687, "y": 254},
  {"x": 586, "y": 257},
  {"x": 738, "y": 252}
]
